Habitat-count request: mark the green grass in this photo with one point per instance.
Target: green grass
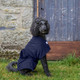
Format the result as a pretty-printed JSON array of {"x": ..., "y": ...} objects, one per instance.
[{"x": 67, "y": 69}]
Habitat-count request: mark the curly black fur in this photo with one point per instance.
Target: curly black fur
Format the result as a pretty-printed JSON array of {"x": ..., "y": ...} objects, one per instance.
[
  {"x": 39, "y": 27},
  {"x": 37, "y": 23}
]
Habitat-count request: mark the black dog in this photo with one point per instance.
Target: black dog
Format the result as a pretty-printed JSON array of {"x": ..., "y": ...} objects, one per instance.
[{"x": 35, "y": 50}]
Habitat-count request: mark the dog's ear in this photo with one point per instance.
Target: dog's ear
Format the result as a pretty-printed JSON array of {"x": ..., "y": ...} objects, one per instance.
[
  {"x": 34, "y": 29},
  {"x": 48, "y": 26}
]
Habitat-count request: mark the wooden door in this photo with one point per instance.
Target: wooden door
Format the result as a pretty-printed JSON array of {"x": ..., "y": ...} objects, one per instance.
[{"x": 64, "y": 19}]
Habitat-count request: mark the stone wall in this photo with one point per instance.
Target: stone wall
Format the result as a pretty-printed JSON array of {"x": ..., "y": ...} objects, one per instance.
[{"x": 15, "y": 20}]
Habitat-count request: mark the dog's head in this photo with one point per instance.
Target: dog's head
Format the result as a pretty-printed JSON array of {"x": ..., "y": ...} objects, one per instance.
[{"x": 40, "y": 27}]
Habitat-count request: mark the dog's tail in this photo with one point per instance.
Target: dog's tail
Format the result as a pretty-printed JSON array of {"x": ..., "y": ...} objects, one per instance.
[{"x": 11, "y": 68}]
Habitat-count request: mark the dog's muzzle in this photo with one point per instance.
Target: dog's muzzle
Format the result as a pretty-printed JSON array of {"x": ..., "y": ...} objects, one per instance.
[{"x": 43, "y": 29}]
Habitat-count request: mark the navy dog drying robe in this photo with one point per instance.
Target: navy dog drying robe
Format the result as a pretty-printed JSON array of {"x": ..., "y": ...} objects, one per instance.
[{"x": 36, "y": 49}]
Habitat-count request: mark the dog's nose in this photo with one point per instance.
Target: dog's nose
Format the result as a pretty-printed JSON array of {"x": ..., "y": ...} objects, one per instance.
[{"x": 43, "y": 27}]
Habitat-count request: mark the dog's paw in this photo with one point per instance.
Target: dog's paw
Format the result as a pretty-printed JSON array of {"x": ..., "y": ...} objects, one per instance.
[
  {"x": 34, "y": 71},
  {"x": 29, "y": 74},
  {"x": 49, "y": 75}
]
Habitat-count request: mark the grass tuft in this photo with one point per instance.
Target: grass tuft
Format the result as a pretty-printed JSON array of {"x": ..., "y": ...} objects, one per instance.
[{"x": 71, "y": 60}]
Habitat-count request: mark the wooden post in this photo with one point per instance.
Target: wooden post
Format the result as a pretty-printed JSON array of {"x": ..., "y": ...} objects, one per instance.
[{"x": 37, "y": 8}]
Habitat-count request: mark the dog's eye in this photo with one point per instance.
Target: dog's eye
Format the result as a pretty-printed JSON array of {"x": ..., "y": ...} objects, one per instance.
[
  {"x": 41, "y": 23},
  {"x": 46, "y": 22},
  {"x": 38, "y": 23}
]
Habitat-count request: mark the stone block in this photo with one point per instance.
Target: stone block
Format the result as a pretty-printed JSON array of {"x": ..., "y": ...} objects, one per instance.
[
  {"x": 11, "y": 24},
  {"x": 10, "y": 17},
  {"x": 27, "y": 15},
  {"x": 2, "y": 22},
  {"x": 16, "y": 37},
  {"x": 10, "y": 10},
  {"x": 17, "y": 3}
]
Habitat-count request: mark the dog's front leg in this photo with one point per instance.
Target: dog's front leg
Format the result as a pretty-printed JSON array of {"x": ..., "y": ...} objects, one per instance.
[{"x": 45, "y": 66}]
